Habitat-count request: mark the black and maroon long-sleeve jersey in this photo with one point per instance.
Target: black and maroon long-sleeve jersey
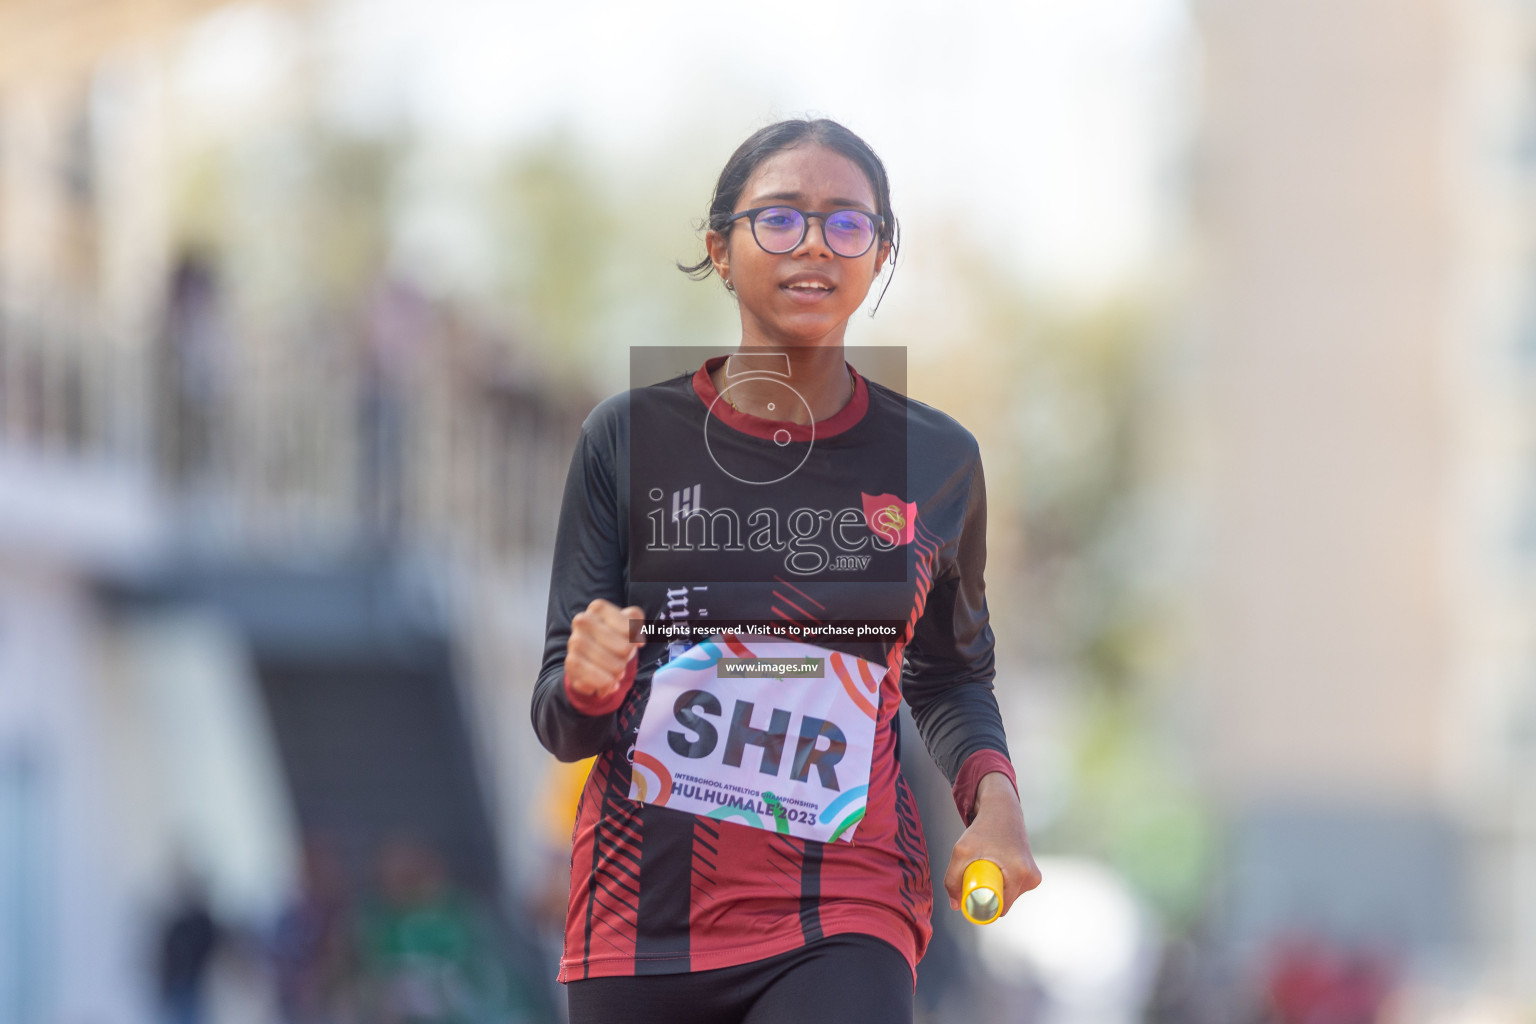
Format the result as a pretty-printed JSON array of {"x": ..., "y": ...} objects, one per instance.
[{"x": 680, "y": 504}]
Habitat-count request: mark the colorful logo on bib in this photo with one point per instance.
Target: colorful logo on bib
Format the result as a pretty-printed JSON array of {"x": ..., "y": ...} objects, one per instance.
[{"x": 651, "y": 780}]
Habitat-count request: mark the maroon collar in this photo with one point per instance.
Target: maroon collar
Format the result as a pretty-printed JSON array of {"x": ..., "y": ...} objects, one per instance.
[{"x": 833, "y": 425}]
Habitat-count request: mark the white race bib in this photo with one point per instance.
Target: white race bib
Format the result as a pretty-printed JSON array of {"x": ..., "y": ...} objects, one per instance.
[{"x": 787, "y": 753}]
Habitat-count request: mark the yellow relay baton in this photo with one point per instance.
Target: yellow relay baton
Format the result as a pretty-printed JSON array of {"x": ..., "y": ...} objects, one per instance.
[{"x": 981, "y": 892}]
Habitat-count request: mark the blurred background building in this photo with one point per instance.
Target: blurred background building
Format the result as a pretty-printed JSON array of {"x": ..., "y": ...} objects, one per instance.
[
  {"x": 1332, "y": 218},
  {"x": 302, "y": 304},
  {"x": 1364, "y": 441}
]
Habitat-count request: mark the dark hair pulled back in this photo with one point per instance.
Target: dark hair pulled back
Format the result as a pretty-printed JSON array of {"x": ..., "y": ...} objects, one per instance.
[{"x": 776, "y": 138}]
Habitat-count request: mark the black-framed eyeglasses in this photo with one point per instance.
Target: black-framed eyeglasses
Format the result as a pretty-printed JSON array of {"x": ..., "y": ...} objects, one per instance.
[{"x": 781, "y": 229}]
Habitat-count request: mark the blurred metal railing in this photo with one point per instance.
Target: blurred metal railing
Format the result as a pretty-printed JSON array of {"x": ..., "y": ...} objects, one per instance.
[
  {"x": 64, "y": 390},
  {"x": 283, "y": 443}
]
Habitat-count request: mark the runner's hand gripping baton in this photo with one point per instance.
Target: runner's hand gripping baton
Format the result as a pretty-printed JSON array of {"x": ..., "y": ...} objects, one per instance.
[{"x": 981, "y": 892}]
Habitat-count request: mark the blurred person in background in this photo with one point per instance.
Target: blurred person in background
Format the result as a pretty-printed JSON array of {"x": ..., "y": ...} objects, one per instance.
[
  {"x": 1309, "y": 981},
  {"x": 397, "y": 321},
  {"x": 195, "y": 370},
  {"x": 189, "y": 937},
  {"x": 672, "y": 918},
  {"x": 428, "y": 953},
  {"x": 1190, "y": 986},
  {"x": 313, "y": 955}
]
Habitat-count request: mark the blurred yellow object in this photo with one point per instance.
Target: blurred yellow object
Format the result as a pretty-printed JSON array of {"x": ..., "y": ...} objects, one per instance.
[
  {"x": 562, "y": 794},
  {"x": 981, "y": 893}
]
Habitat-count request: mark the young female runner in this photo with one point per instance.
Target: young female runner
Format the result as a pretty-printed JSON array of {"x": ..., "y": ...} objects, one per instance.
[{"x": 776, "y": 484}]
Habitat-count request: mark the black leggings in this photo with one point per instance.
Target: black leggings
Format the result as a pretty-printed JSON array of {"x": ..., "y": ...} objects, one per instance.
[{"x": 851, "y": 979}]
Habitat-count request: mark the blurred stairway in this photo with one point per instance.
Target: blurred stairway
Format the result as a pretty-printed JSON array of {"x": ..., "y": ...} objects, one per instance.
[
  {"x": 355, "y": 667},
  {"x": 376, "y": 749}
]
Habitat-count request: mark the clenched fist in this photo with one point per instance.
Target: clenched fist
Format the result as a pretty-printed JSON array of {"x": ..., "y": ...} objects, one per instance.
[
  {"x": 600, "y": 649},
  {"x": 997, "y": 834}
]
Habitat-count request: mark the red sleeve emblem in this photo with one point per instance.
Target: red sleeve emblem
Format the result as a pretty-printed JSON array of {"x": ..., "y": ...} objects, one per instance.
[{"x": 890, "y": 517}]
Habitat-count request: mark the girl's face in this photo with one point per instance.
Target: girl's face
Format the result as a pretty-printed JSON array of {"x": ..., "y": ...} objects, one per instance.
[{"x": 804, "y": 296}]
